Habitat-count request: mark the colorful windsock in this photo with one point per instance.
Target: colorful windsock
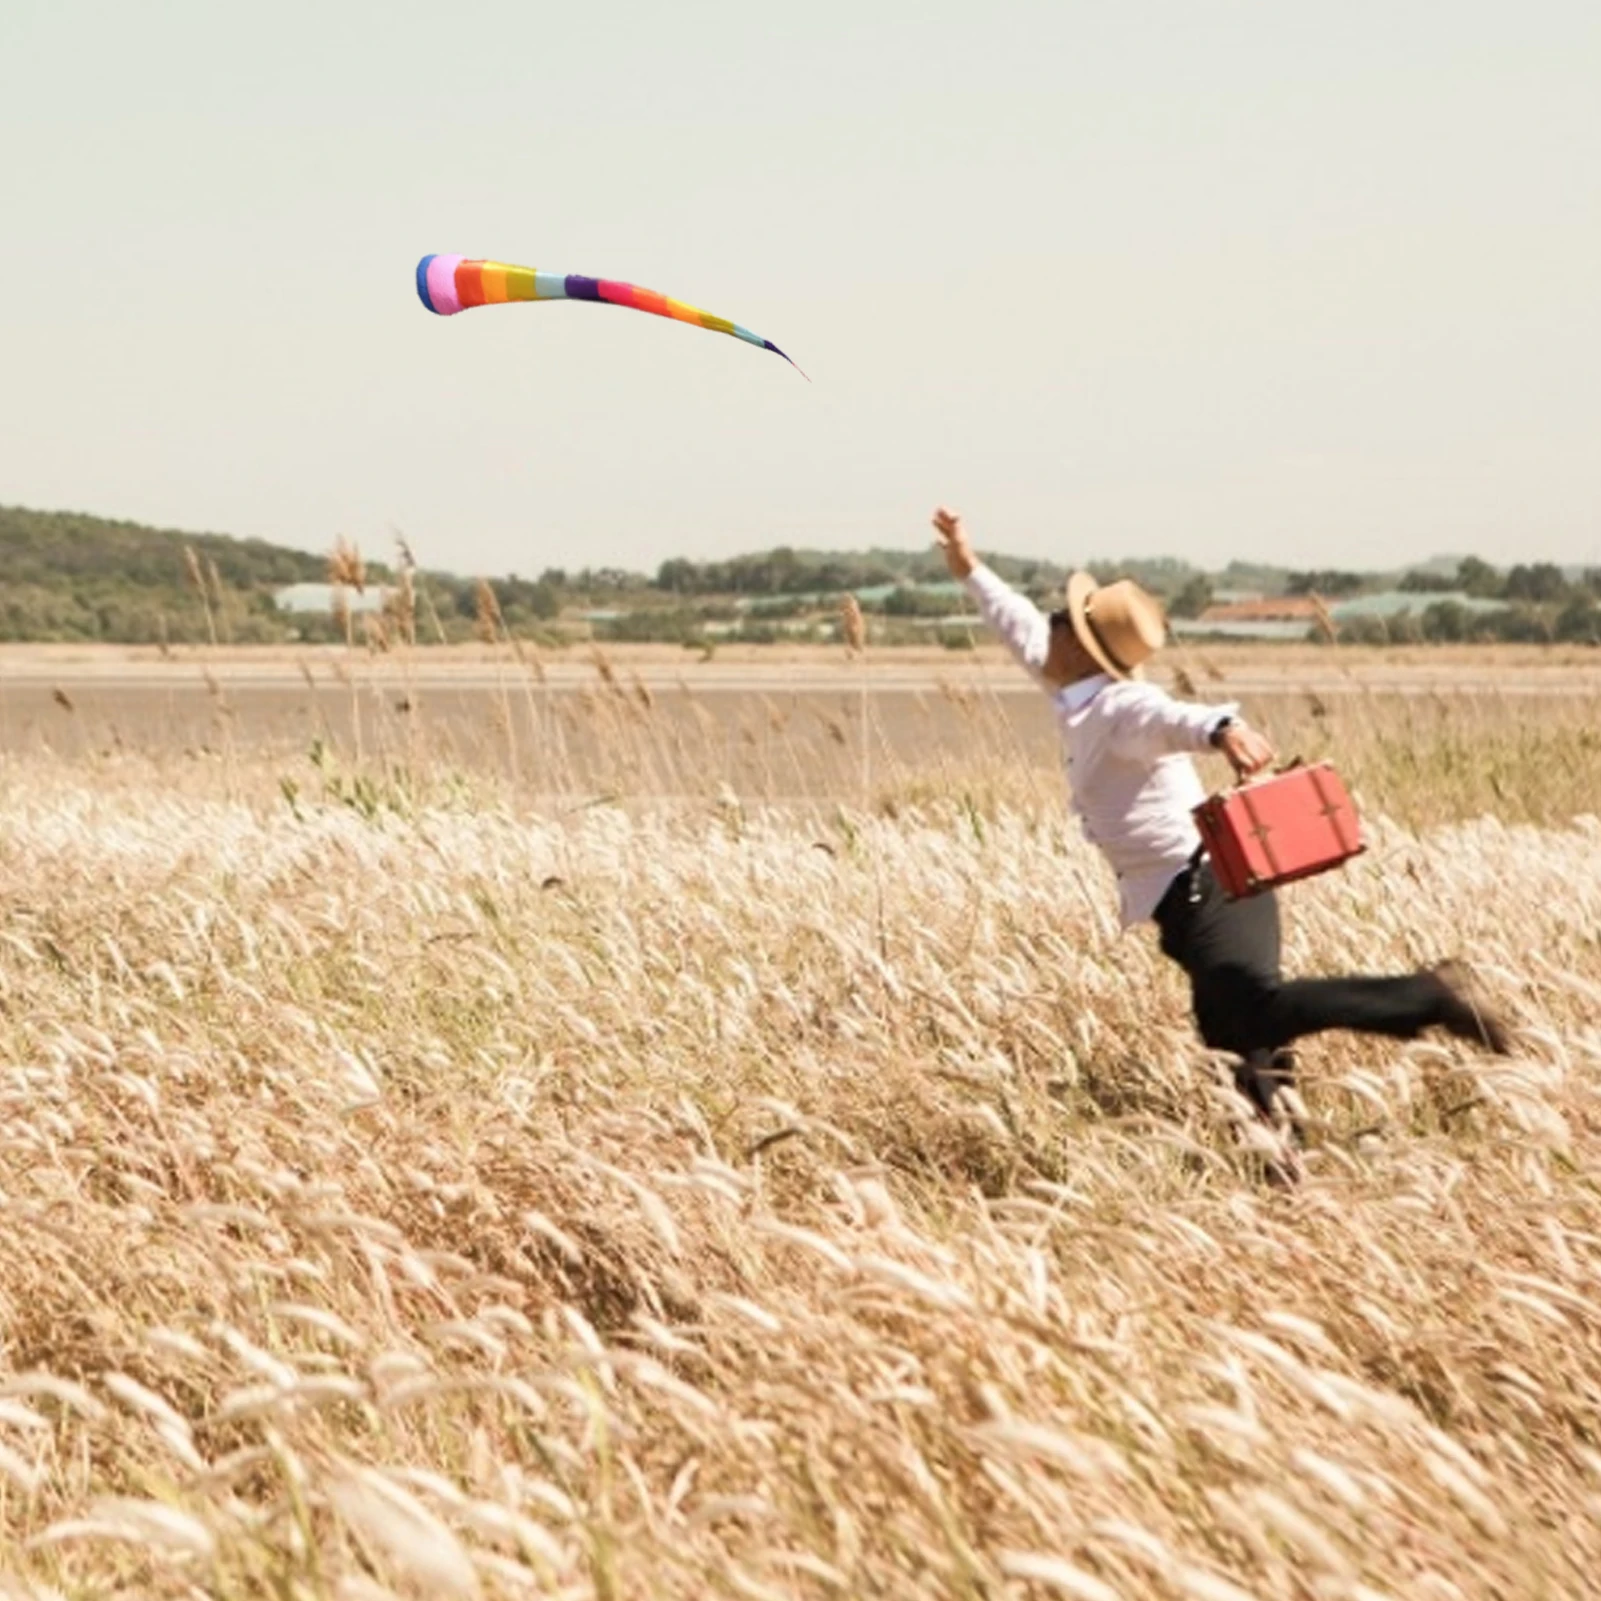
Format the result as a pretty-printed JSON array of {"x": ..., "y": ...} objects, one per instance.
[{"x": 448, "y": 284}]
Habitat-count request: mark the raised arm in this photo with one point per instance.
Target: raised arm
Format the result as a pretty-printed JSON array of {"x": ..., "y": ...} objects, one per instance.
[{"x": 1014, "y": 617}]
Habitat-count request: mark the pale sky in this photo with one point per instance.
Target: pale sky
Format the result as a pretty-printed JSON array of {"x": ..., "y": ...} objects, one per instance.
[{"x": 1313, "y": 283}]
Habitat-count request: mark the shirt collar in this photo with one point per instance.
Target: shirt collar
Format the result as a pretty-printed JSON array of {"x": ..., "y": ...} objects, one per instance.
[{"x": 1076, "y": 696}]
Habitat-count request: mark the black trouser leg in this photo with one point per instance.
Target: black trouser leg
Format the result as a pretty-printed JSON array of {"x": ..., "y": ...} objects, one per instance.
[
  {"x": 1401, "y": 1007},
  {"x": 1230, "y": 949}
]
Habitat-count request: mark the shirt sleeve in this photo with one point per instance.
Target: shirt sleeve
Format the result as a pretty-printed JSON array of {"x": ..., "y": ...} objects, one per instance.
[
  {"x": 1019, "y": 622},
  {"x": 1148, "y": 723}
]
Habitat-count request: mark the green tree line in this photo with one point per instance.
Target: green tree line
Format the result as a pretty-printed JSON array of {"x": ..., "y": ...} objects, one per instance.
[{"x": 66, "y": 576}]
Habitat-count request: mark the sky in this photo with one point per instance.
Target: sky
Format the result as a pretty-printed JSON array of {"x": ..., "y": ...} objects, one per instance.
[{"x": 1256, "y": 279}]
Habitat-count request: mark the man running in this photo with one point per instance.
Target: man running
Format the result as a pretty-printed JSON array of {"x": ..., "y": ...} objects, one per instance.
[{"x": 1129, "y": 746}]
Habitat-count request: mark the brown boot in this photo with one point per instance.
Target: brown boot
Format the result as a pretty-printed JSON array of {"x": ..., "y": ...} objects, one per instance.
[{"x": 1463, "y": 1011}]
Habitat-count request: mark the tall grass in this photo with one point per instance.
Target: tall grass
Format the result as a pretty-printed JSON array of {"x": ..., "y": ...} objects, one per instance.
[
  {"x": 466, "y": 1198},
  {"x": 1412, "y": 759}
]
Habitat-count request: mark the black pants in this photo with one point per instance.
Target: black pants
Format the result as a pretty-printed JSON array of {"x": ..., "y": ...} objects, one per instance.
[{"x": 1243, "y": 1005}]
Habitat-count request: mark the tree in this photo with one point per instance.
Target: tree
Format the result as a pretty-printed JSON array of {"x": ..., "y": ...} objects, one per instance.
[
  {"x": 1325, "y": 582},
  {"x": 1579, "y": 622},
  {"x": 1193, "y": 597},
  {"x": 521, "y": 600},
  {"x": 1421, "y": 583},
  {"x": 908, "y": 601},
  {"x": 1447, "y": 619},
  {"x": 1359, "y": 631},
  {"x": 678, "y": 576},
  {"x": 1542, "y": 583},
  {"x": 1478, "y": 578}
]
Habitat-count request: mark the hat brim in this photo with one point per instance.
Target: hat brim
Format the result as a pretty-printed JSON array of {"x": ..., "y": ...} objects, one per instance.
[{"x": 1080, "y": 586}]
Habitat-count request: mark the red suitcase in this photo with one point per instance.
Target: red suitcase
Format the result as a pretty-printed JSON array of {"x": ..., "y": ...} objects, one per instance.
[{"x": 1275, "y": 830}]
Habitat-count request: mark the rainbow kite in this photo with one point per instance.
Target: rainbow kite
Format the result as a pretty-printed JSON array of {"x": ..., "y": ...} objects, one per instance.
[{"x": 448, "y": 284}]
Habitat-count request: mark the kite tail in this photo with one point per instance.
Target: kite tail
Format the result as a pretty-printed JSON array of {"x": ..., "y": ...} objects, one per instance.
[{"x": 767, "y": 344}]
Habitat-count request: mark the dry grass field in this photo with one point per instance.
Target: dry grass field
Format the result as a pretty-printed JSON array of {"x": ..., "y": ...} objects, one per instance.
[{"x": 432, "y": 1171}]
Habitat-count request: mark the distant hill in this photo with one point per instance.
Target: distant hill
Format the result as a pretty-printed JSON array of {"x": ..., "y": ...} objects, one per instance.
[{"x": 65, "y": 576}]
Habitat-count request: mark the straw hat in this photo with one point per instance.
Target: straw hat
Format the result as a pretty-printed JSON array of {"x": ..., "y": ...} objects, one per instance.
[{"x": 1118, "y": 624}]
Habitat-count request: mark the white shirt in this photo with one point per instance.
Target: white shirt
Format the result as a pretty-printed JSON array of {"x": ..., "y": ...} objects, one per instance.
[{"x": 1127, "y": 745}]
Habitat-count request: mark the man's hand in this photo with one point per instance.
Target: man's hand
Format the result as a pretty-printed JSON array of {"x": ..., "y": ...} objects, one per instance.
[
  {"x": 1247, "y": 751},
  {"x": 952, "y": 540}
]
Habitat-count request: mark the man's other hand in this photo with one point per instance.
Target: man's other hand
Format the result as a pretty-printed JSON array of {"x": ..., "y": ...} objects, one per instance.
[{"x": 953, "y": 541}]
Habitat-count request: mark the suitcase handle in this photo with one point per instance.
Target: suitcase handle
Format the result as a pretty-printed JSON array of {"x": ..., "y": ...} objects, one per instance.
[{"x": 1270, "y": 772}]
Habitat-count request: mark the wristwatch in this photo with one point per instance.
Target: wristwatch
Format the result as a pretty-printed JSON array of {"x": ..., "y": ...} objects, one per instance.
[{"x": 1227, "y": 720}]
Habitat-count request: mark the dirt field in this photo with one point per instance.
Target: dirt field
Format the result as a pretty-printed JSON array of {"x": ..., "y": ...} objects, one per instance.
[
  {"x": 813, "y": 667},
  {"x": 804, "y": 725}
]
